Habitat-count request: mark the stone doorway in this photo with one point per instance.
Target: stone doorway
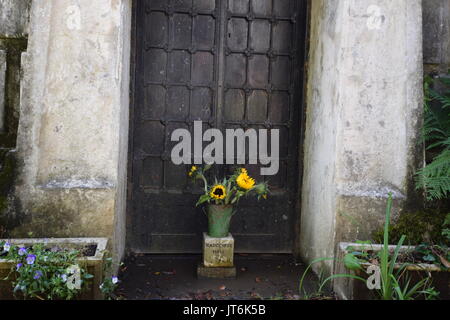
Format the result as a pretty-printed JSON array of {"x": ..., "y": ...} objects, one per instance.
[{"x": 230, "y": 64}]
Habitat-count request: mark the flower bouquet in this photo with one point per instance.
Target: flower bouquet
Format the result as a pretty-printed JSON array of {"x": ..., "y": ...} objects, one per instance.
[{"x": 221, "y": 197}]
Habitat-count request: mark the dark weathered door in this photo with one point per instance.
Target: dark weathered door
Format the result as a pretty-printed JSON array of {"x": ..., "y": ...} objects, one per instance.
[{"x": 235, "y": 63}]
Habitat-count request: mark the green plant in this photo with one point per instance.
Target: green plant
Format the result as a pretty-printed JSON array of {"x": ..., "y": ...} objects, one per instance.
[
  {"x": 110, "y": 283},
  {"x": 446, "y": 228},
  {"x": 42, "y": 273},
  {"x": 404, "y": 292},
  {"x": 322, "y": 282},
  {"x": 395, "y": 282},
  {"x": 388, "y": 279},
  {"x": 434, "y": 178}
]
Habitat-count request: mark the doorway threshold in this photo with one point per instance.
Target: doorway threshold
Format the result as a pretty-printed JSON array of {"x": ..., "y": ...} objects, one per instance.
[{"x": 173, "y": 277}]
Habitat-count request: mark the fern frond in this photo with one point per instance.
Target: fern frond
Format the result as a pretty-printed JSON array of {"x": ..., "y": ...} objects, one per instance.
[{"x": 435, "y": 177}]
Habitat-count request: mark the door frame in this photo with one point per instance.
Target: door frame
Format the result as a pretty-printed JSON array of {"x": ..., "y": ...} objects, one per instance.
[{"x": 305, "y": 14}]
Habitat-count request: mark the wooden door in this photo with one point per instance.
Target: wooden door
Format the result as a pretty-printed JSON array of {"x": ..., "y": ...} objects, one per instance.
[{"x": 231, "y": 64}]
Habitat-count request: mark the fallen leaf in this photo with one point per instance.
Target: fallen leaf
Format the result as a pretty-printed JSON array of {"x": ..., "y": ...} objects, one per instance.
[
  {"x": 256, "y": 295},
  {"x": 244, "y": 269},
  {"x": 222, "y": 287},
  {"x": 258, "y": 279},
  {"x": 209, "y": 295},
  {"x": 157, "y": 273}
]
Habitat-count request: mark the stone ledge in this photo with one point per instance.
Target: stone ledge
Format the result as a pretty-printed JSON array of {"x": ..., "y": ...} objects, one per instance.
[{"x": 77, "y": 184}]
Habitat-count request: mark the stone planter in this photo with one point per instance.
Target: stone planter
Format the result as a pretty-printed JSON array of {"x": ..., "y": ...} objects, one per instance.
[
  {"x": 350, "y": 289},
  {"x": 94, "y": 263}
]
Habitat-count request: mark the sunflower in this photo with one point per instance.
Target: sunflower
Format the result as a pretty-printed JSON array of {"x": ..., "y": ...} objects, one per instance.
[
  {"x": 245, "y": 181},
  {"x": 218, "y": 192},
  {"x": 243, "y": 170},
  {"x": 193, "y": 170}
]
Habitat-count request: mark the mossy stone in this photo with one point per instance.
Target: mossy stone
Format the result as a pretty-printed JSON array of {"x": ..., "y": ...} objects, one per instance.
[
  {"x": 7, "y": 175},
  {"x": 418, "y": 227}
]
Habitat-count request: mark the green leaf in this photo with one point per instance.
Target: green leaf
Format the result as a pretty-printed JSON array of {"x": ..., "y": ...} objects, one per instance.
[
  {"x": 337, "y": 276},
  {"x": 351, "y": 262},
  {"x": 364, "y": 242},
  {"x": 204, "y": 198},
  {"x": 300, "y": 287},
  {"x": 447, "y": 220},
  {"x": 429, "y": 258}
]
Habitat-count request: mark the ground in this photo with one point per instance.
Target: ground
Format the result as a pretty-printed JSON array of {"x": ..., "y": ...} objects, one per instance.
[{"x": 174, "y": 278}]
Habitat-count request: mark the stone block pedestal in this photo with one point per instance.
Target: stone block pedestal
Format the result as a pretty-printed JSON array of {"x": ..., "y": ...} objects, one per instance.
[{"x": 218, "y": 254}]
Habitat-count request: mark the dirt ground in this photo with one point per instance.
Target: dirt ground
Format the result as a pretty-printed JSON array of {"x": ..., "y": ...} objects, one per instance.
[{"x": 174, "y": 278}]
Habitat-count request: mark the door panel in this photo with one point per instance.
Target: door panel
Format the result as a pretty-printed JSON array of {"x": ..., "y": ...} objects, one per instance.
[{"x": 231, "y": 64}]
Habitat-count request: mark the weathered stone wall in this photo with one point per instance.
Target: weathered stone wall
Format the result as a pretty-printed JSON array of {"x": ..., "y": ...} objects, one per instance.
[
  {"x": 364, "y": 106},
  {"x": 436, "y": 36},
  {"x": 73, "y": 127},
  {"x": 14, "y": 16}
]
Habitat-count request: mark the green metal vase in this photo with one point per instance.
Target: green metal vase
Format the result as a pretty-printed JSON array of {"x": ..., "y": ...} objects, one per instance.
[{"x": 219, "y": 217}]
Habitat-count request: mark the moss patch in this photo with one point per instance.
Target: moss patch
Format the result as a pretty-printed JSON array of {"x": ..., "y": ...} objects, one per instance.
[
  {"x": 7, "y": 176},
  {"x": 418, "y": 227}
]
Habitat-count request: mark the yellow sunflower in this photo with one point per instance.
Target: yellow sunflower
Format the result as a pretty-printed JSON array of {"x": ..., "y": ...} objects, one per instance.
[
  {"x": 218, "y": 192},
  {"x": 245, "y": 181},
  {"x": 243, "y": 170},
  {"x": 193, "y": 170}
]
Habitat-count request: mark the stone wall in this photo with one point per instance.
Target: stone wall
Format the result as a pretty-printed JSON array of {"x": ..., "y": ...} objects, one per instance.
[
  {"x": 14, "y": 17},
  {"x": 436, "y": 39},
  {"x": 73, "y": 129},
  {"x": 364, "y": 107}
]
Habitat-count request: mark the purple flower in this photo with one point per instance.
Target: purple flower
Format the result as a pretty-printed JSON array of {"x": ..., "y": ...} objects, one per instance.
[
  {"x": 7, "y": 246},
  {"x": 64, "y": 277},
  {"x": 18, "y": 266},
  {"x": 37, "y": 275},
  {"x": 114, "y": 280},
  {"x": 22, "y": 251},
  {"x": 31, "y": 258}
]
